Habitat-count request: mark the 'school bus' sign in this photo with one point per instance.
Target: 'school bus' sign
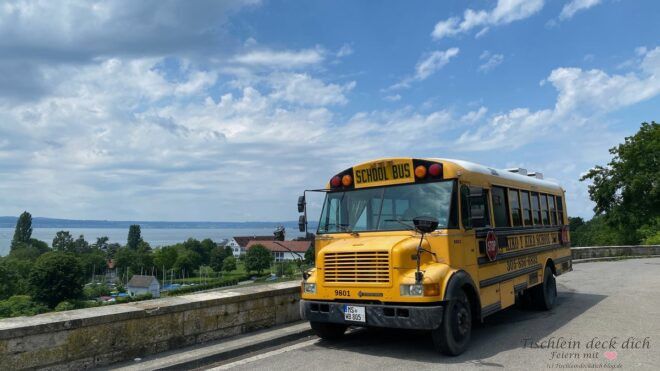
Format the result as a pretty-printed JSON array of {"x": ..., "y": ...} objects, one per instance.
[{"x": 383, "y": 173}]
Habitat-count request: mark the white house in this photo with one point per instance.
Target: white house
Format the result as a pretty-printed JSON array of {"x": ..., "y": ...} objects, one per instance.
[
  {"x": 140, "y": 285},
  {"x": 239, "y": 244},
  {"x": 283, "y": 250}
]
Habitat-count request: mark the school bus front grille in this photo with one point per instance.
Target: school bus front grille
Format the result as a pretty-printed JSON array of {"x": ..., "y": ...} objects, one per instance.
[{"x": 357, "y": 267}]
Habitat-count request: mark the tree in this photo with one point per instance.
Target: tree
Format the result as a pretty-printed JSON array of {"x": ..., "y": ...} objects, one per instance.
[
  {"x": 134, "y": 236},
  {"x": 165, "y": 257},
  {"x": 258, "y": 258},
  {"x": 229, "y": 264},
  {"x": 310, "y": 254},
  {"x": 23, "y": 231},
  {"x": 63, "y": 241},
  {"x": 229, "y": 251},
  {"x": 217, "y": 259},
  {"x": 627, "y": 191},
  {"x": 102, "y": 243},
  {"x": 56, "y": 276},
  {"x": 207, "y": 246},
  {"x": 81, "y": 246},
  {"x": 202, "y": 256},
  {"x": 92, "y": 262},
  {"x": 8, "y": 280},
  {"x": 186, "y": 262}
]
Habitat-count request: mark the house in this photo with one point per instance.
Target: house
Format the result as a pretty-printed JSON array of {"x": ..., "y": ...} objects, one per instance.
[
  {"x": 239, "y": 244},
  {"x": 140, "y": 285},
  {"x": 283, "y": 250}
]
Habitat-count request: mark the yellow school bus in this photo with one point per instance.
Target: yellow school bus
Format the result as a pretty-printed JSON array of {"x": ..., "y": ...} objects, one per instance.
[{"x": 432, "y": 244}]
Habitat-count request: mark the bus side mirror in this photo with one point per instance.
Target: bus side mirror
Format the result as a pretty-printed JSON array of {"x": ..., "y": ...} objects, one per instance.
[
  {"x": 425, "y": 224},
  {"x": 301, "y": 204},
  {"x": 302, "y": 222}
]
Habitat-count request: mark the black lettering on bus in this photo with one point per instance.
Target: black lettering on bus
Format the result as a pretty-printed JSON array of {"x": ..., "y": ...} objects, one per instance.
[
  {"x": 406, "y": 170},
  {"x": 358, "y": 177},
  {"x": 395, "y": 171}
]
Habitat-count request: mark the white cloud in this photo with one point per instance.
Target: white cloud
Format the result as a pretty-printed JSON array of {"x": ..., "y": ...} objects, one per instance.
[
  {"x": 427, "y": 66},
  {"x": 574, "y": 6},
  {"x": 345, "y": 51},
  {"x": 392, "y": 98},
  {"x": 492, "y": 61},
  {"x": 506, "y": 11},
  {"x": 583, "y": 95},
  {"x": 474, "y": 116},
  {"x": 303, "y": 89},
  {"x": 281, "y": 59}
]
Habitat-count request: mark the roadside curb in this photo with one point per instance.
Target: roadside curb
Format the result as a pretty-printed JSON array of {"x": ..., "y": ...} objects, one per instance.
[
  {"x": 205, "y": 354},
  {"x": 613, "y": 258}
]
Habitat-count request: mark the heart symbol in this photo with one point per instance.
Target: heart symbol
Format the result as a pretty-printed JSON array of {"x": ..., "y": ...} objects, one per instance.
[{"x": 610, "y": 355}]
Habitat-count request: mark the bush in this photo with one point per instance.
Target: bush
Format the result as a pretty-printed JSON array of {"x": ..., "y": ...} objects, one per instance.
[
  {"x": 229, "y": 264},
  {"x": 20, "y": 305},
  {"x": 65, "y": 305},
  {"x": 95, "y": 290}
]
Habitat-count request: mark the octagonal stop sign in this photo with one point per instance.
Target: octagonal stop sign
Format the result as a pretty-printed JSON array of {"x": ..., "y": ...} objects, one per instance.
[{"x": 491, "y": 245}]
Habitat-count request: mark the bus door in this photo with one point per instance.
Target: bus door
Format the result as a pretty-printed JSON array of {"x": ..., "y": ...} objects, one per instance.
[{"x": 476, "y": 219}]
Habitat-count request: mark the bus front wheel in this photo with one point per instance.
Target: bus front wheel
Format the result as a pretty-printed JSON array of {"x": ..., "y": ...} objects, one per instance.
[
  {"x": 453, "y": 336},
  {"x": 328, "y": 331},
  {"x": 544, "y": 296}
]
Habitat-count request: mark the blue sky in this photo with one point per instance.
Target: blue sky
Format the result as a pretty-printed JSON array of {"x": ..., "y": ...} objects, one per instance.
[{"x": 161, "y": 110}]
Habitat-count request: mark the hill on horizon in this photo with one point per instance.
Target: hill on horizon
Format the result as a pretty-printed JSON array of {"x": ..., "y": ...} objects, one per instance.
[{"x": 41, "y": 222}]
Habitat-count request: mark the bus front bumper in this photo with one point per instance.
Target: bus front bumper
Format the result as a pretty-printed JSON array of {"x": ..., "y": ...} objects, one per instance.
[{"x": 391, "y": 316}]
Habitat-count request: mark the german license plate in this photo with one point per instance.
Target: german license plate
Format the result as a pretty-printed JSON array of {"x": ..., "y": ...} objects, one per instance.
[{"x": 355, "y": 314}]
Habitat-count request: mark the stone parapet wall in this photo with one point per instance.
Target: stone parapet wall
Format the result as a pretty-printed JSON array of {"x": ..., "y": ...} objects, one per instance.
[
  {"x": 100, "y": 336},
  {"x": 595, "y": 252}
]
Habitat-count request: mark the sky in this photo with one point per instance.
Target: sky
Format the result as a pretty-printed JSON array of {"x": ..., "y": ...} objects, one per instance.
[{"x": 228, "y": 110}]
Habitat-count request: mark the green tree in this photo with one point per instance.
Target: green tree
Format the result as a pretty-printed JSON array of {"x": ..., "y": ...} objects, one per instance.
[
  {"x": 627, "y": 191},
  {"x": 217, "y": 258},
  {"x": 134, "y": 236},
  {"x": 229, "y": 264},
  {"x": 63, "y": 241},
  {"x": 92, "y": 262},
  {"x": 201, "y": 255},
  {"x": 229, "y": 251},
  {"x": 102, "y": 243},
  {"x": 310, "y": 254},
  {"x": 23, "y": 231},
  {"x": 8, "y": 280},
  {"x": 80, "y": 245},
  {"x": 186, "y": 262},
  {"x": 56, "y": 276},
  {"x": 165, "y": 257},
  {"x": 258, "y": 258}
]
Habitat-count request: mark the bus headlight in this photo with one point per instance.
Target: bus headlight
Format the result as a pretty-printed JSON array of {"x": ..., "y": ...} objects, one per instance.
[
  {"x": 429, "y": 289},
  {"x": 310, "y": 288},
  {"x": 412, "y": 290}
]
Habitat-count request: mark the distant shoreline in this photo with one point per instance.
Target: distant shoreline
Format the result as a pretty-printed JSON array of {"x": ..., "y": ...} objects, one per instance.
[{"x": 40, "y": 222}]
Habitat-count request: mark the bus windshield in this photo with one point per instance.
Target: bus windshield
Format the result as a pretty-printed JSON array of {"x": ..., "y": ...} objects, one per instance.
[{"x": 386, "y": 208}]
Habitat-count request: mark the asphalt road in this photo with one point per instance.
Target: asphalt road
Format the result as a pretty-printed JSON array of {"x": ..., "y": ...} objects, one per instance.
[{"x": 600, "y": 306}]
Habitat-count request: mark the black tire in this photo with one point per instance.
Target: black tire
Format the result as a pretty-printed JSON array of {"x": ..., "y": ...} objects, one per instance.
[
  {"x": 544, "y": 296},
  {"x": 453, "y": 335},
  {"x": 328, "y": 331}
]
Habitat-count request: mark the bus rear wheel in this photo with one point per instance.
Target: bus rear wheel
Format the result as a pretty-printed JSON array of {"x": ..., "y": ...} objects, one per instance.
[
  {"x": 328, "y": 331},
  {"x": 544, "y": 296},
  {"x": 453, "y": 335}
]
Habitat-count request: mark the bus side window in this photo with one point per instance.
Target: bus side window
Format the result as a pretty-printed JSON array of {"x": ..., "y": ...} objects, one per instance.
[
  {"x": 553, "y": 209},
  {"x": 514, "y": 203},
  {"x": 474, "y": 202},
  {"x": 527, "y": 212},
  {"x": 560, "y": 210},
  {"x": 545, "y": 216},
  {"x": 500, "y": 207},
  {"x": 536, "y": 212}
]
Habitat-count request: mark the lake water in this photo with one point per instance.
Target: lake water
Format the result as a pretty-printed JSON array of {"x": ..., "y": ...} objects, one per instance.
[{"x": 155, "y": 236}]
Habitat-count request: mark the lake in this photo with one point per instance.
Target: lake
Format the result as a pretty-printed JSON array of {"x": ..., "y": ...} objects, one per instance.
[{"x": 154, "y": 236}]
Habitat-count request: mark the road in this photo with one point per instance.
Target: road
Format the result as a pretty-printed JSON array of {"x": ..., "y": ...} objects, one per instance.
[{"x": 600, "y": 306}]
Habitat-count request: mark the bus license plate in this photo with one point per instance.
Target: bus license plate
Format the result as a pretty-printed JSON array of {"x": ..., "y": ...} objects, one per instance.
[{"x": 355, "y": 314}]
